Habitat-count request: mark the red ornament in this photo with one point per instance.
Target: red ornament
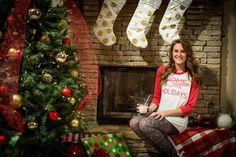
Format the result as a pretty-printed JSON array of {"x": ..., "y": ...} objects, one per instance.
[
  {"x": 66, "y": 41},
  {"x": 3, "y": 140},
  {"x": 66, "y": 92},
  {"x": 53, "y": 115},
  {"x": 14, "y": 54},
  {"x": 4, "y": 89},
  {"x": 10, "y": 20}
]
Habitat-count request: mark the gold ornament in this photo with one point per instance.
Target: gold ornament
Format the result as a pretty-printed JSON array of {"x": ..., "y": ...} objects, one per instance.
[
  {"x": 74, "y": 73},
  {"x": 61, "y": 57},
  {"x": 16, "y": 101},
  {"x": 34, "y": 13},
  {"x": 13, "y": 53},
  {"x": 32, "y": 125},
  {"x": 71, "y": 100},
  {"x": 74, "y": 123},
  {"x": 47, "y": 78}
]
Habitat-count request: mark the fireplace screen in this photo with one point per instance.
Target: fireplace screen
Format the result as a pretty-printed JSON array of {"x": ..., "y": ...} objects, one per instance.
[{"x": 122, "y": 89}]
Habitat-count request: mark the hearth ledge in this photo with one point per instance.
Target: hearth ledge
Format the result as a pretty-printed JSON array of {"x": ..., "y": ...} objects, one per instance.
[{"x": 127, "y": 132}]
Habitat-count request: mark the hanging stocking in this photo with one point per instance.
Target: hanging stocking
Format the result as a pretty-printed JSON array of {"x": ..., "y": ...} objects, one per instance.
[
  {"x": 170, "y": 21},
  {"x": 139, "y": 21},
  {"x": 103, "y": 28}
]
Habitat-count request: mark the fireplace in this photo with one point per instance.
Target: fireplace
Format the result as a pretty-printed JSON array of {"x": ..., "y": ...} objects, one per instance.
[{"x": 122, "y": 88}]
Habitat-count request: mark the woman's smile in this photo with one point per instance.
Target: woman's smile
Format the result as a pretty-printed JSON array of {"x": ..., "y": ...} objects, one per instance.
[{"x": 179, "y": 56}]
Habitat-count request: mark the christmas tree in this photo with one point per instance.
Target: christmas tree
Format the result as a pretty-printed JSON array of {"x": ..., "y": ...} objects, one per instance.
[{"x": 50, "y": 85}]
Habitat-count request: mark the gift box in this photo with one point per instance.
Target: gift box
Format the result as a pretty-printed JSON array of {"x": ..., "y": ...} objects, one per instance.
[{"x": 106, "y": 144}]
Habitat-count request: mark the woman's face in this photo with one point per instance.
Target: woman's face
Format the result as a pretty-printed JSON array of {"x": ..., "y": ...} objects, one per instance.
[{"x": 179, "y": 55}]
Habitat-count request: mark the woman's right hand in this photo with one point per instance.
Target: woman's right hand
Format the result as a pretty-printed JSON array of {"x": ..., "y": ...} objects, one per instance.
[
  {"x": 137, "y": 107},
  {"x": 143, "y": 109}
]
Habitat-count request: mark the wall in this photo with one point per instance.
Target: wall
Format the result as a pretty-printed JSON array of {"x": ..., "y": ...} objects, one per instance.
[
  {"x": 228, "y": 90},
  {"x": 201, "y": 25}
]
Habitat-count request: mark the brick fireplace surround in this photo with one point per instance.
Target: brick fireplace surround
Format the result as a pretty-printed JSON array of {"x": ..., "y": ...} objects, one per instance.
[{"x": 201, "y": 25}]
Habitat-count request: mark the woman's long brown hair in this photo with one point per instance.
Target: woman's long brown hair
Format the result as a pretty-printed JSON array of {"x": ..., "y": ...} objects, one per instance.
[{"x": 191, "y": 64}]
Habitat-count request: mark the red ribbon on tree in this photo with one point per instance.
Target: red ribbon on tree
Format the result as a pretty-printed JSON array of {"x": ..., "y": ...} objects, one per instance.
[
  {"x": 13, "y": 117},
  {"x": 12, "y": 48},
  {"x": 86, "y": 54},
  {"x": 10, "y": 58}
]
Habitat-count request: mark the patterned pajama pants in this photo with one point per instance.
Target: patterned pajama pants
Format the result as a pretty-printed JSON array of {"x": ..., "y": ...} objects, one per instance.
[{"x": 155, "y": 131}]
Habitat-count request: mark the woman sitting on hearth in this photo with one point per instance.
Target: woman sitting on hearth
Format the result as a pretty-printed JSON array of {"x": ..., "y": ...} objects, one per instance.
[{"x": 176, "y": 93}]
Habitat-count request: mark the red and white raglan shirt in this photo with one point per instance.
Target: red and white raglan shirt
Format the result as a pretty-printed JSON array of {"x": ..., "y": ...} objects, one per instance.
[{"x": 179, "y": 91}]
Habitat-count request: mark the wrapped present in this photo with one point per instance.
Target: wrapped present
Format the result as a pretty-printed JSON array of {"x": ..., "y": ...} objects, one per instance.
[{"x": 111, "y": 144}]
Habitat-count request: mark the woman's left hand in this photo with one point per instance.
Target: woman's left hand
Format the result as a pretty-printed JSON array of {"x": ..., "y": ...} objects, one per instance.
[{"x": 159, "y": 115}]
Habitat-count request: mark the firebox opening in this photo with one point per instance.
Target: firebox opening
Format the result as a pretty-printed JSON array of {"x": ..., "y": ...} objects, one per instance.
[{"x": 122, "y": 88}]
